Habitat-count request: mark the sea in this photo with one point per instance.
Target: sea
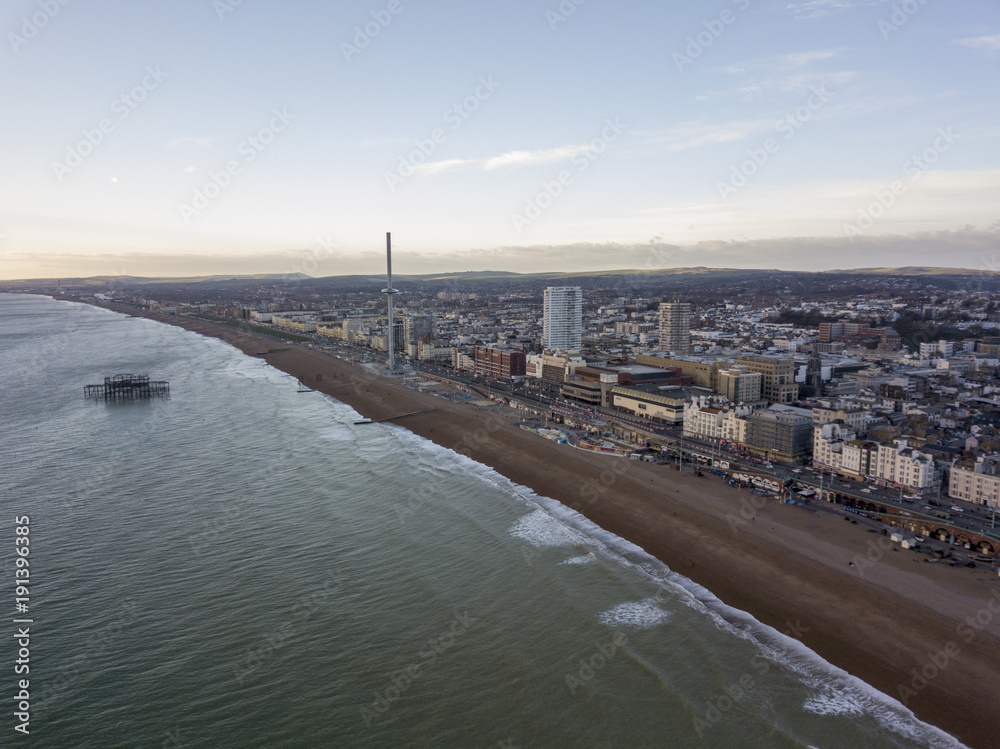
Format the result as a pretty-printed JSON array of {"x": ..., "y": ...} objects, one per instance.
[{"x": 240, "y": 565}]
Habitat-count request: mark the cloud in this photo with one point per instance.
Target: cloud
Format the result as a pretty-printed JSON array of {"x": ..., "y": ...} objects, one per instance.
[
  {"x": 989, "y": 43},
  {"x": 695, "y": 134},
  {"x": 189, "y": 141},
  {"x": 509, "y": 160},
  {"x": 782, "y": 63},
  {"x": 514, "y": 159},
  {"x": 813, "y": 9}
]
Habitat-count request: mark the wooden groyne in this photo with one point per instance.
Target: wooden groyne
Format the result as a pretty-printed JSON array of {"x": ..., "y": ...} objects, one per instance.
[{"x": 397, "y": 416}]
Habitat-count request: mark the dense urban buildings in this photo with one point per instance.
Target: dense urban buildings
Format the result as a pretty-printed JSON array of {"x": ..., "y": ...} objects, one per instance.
[{"x": 858, "y": 384}]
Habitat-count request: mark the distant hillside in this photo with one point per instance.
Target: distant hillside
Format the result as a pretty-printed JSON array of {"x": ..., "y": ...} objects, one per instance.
[
  {"x": 916, "y": 270},
  {"x": 698, "y": 274}
]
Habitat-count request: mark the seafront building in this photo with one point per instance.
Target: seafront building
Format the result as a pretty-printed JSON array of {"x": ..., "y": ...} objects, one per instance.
[
  {"x": 498, "y": 364},
  {"x": 976, "y": 481},
  {"x": 829, "y": 439},
  {"x": 652, "y": 402},
  {"x": 712, "y": 417},
  {"x": 780, "y": 432},
  {"x": 901, "y": 465},
  {"x": 563, "y": 318}
]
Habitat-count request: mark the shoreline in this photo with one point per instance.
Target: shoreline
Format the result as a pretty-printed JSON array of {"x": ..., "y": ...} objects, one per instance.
[{"x": 785, "y": 566}]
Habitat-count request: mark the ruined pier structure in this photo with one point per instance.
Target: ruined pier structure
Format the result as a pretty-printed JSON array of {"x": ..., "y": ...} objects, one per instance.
[{"x": 127, "y": 387}]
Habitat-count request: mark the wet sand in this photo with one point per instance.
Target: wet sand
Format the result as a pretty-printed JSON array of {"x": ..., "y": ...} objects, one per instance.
[{"x": 884, "y": 620}]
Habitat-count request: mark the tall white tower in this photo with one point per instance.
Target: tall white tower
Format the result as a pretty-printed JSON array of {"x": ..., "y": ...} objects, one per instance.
[
  {"x": 389, "y": 291},
  {"x": 563, "y": 318}
]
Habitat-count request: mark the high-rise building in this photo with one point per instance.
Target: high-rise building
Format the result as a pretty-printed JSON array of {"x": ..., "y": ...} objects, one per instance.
[
  {"x": 675, "y": 327},
  {"x": 563, "y": 318},
  {"x": 417, "y": 327}
]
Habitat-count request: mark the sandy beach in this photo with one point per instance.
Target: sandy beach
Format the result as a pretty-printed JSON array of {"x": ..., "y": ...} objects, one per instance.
[{"x": 925, "y": 634}]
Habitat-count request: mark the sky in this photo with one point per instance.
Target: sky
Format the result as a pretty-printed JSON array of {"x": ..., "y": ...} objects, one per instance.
[{"x": 195, "y": 137}]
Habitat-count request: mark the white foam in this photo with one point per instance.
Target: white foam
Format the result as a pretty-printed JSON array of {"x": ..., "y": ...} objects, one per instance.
[
  {"x": 580, "y": 560},
  {"x": 339, "y": 434},
  {"x": 644, "y": 614},
  {"x": 834, "y": 702},
  {"x": 542, "y": 531}
]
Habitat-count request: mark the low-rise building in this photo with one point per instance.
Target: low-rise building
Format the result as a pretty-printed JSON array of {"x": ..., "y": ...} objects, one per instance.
[
  {"x": 591, "y": 385},
  {"x": 901, "y": 465},
  {"x": 662, "y": 404},
  {"x": 499, "y": 364},
  {"x": 829, "y": 439},
  {"x": 708, "y": 417},
  {"x": 977, "y": 481}
]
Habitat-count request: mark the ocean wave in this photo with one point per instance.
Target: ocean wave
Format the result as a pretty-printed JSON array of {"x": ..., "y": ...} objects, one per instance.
[
  {"x": 542, "y": 531},
  {"x": 339, "y": 434},
  {"x": 644, "y": 614},
  {"x": 581, "y": 560}
]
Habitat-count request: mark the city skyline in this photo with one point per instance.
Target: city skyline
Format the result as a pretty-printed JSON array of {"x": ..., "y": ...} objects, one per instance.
[{"x": 235, "y": 138}]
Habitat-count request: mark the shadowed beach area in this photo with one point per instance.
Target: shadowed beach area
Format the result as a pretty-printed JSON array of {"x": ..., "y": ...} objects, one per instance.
[{"x": 925, "y": 634}]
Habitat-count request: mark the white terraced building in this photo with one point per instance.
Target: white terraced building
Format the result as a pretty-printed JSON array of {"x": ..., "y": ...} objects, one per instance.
[
  {"x": 828, "y": 443},
  {"x": 905, "y": 466},
  {"x": 715, "y": 418}
]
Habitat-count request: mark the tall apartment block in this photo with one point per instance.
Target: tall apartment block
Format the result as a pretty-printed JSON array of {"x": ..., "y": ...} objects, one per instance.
[
  {"x": 675, "y": 327},
  {"x": 563, "y": 318}
]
